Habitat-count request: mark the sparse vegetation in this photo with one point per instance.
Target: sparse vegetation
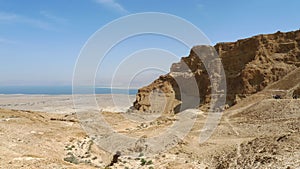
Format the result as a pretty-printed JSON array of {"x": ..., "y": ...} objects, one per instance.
[
  {"x": 141, "y": 154},
  {"x": 71, "y": 159},
  {"x": 149, "y": 162},
  {"x": 145, "y": 162}
]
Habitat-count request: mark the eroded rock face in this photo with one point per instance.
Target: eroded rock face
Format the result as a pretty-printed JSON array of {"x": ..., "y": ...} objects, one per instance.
[{"x": 250, "y": 65}]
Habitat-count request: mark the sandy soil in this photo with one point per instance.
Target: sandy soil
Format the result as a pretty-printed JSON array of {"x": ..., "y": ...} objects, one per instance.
[{"x": 254, "y": 134}]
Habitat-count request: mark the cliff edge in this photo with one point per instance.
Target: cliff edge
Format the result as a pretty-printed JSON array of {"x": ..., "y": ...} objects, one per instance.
[{"x": 250, "y": 65}]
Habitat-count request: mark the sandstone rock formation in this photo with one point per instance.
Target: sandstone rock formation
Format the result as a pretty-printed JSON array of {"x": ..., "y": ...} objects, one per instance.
[{"x": 249, "y": 64}]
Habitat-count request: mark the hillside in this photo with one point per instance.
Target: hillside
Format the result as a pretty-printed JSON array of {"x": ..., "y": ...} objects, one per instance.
[{"x": 250, "y": 65}]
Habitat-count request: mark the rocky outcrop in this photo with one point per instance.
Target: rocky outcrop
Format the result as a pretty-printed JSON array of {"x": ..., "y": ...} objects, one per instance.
[{"x": 250, "y": 65}]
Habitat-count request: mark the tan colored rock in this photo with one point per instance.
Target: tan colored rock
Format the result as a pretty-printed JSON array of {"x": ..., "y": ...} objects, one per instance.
[{"x": 250, "y": 65}]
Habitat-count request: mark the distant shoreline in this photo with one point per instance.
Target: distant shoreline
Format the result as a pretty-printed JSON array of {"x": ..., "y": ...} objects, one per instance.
[
  {"x": 66, "y": 103},
  {"x": 62, "y": 90}
]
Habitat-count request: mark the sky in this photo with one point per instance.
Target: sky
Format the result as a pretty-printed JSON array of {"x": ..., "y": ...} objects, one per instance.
[{"x": 40, "y": 40}]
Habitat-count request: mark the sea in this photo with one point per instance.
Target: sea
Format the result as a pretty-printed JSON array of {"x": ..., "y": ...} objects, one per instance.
[{"x": 62, "y": 90}]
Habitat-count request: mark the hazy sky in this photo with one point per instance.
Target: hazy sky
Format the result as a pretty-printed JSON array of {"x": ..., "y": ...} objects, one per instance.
[{"x": 41, "y": 39}]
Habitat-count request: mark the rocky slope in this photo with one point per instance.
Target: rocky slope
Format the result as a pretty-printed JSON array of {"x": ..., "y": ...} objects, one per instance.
[{"x": 249, "y": 64}]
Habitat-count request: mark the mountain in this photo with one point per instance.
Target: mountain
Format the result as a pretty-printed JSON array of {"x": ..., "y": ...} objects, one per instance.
[{"x": 250, "y": 65}]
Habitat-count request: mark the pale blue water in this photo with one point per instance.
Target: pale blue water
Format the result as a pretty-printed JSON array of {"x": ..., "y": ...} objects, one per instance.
[{"x": 61, "y": 90}]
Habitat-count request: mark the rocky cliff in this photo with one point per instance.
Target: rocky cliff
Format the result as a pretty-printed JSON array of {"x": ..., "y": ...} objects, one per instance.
[{"x": 250, "y": 65}]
